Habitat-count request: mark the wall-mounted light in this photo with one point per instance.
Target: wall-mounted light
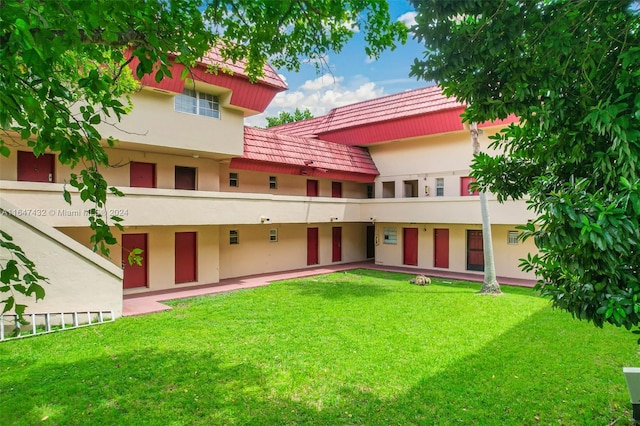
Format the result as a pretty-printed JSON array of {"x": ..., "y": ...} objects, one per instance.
[
  {"x": 264, "y": 219},
  {"x": 196, "y": 155}
]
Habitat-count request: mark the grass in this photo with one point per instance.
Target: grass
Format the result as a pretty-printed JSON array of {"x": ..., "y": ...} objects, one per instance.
[{"x": 351, "y": 348}]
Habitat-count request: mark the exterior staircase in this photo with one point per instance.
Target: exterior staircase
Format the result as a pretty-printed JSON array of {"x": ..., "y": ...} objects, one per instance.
[{"x": 49, "y": 322}]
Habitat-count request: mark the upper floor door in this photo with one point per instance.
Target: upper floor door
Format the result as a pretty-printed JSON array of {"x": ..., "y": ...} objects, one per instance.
[
  {"x": 465, "y": 189},
  {"x": 142, "y": 175},
  {"x": 35, "y": 169},
  {"x": 312, "y": 188},
  {"x": 185, "y": 178},
  {"x": 336, "y": 189}
]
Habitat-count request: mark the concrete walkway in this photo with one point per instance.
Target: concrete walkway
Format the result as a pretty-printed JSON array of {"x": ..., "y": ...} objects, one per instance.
[{"x": 149, "y": 302}]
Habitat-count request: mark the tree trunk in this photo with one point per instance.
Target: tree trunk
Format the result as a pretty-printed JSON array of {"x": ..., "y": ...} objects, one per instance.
[{"x": 490, "y": 284}]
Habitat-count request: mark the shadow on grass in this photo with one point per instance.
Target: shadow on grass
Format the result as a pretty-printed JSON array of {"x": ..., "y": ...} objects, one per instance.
[{"x": 527, "y": 375}]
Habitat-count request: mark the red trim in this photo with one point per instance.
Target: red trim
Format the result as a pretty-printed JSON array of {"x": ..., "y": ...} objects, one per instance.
[
  {"x": 251, "y": 96},
  {"x": 401, "y": 128},
  {"x": 287, "y": 169},
  {"x": 510, "y": 119}
]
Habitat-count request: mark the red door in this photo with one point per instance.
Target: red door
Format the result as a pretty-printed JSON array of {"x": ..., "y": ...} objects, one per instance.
[
  {"x": 464, "y": 186},
  {"x": 134, "y": 275},
  {"x": 410, "y": 244},
  {"x": 336, "y": 252},
  {"x": 336, "y": 189},
  {"x": 186, "y": 257},
  {"x": 35, "y": 169},
  {"x": 312, "y": 188},
  {"x": 475, "y": 251},
  {"x": 142, "y": 175},
  {"x": 185, "y": 178},
  {"x": 441, "y": 248},
  {"x": 312, "y": 246}
]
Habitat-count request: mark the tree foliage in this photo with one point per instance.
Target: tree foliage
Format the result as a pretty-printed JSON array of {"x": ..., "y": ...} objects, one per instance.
[
  {"x": 570, "y": 70},
  {"x": 64, "y": 69},
  {"x": 286, "y": 117}
]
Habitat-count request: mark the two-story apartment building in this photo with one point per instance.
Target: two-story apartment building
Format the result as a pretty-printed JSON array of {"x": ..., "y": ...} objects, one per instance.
[{"x": 207, "y": 198}]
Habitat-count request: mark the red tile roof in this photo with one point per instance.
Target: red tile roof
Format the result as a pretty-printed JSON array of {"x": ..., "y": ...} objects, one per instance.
[
  {"x": 270, "y": 76},
  {"x": 401, "y": 105},
  {"x": 408, "y": 114},
  {"x": 305, "y": 128},
  {"x": 266, "y": 150},
  {"x": 251, "y": 98}
]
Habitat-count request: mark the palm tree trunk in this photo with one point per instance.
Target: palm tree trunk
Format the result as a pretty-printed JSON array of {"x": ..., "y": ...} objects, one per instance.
[{"x": 490, "y": 284}]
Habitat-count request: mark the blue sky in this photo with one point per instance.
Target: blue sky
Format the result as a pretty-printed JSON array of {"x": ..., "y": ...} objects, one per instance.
[{"x": 352, "y": 77}]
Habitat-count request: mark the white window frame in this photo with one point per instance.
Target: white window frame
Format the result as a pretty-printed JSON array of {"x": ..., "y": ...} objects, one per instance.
[
  {"x": 390, "y": 236},
  {"x": 513, "y": 237},
  {"x": 234, "y": 180},
  {"x": 197, "y": 103},
  {"x": 234, "y": 237},
  {"x": 273, "y": 235},
  {"x": 439, "y": 187}
]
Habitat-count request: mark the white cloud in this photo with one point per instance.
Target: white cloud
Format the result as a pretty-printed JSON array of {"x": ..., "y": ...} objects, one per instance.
[
  {"x": 325, "y": 80},
  {"x": 408, "y": 18},
  {"x": 320, "y": 96}
]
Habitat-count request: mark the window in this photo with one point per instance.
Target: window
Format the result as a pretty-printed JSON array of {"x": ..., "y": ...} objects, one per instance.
[
  {"x": 439, "y": 187},
  {"x": 193, "y": 102},
  {"x": 512, "y": 237},
  {"x": 390, "y": 236},
  {"x": 273, "y": 182},
  {"x": 370, "y": 190},
  {"x": 233, "y": 237},
  {"x": 233, "y": 180},
  {"x": 273, "y": 235}
]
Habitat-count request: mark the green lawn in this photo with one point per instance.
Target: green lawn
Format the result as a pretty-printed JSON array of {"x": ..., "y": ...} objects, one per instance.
[{"x": 361, "y": 347}]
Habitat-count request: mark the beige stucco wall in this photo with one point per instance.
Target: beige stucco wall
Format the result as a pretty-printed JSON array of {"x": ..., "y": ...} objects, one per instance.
[
  {"x": 258, "y": 182},
  {"x": 255, "y": 254},
  {"x": 207, "y": 170},
  {"x": 79, "y": 279},
  {"x": 154, "y": 124},
  {"x": 506, "y": 256},
  {"x": 424, "y": 159},
  {"x": 161, "y": 254}
]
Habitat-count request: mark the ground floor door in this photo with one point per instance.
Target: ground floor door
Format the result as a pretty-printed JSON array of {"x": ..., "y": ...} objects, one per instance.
[
  {"x": 441, "y": 248},
  {"x": 410, "y": 246},
  {"x": 312, "y": 246},
  {"x": 35, "y": 169},
  {"x": 336, "y": 240},
  {"x": 186, "y": 257},
  {"x": 475, "y": 251},
  {"x": 371, "y": 241},
  {"x": 134, "y": 275}
]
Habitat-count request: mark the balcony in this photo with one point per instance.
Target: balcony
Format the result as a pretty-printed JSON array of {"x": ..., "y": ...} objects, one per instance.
[{"x": 167, "y": 207}]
